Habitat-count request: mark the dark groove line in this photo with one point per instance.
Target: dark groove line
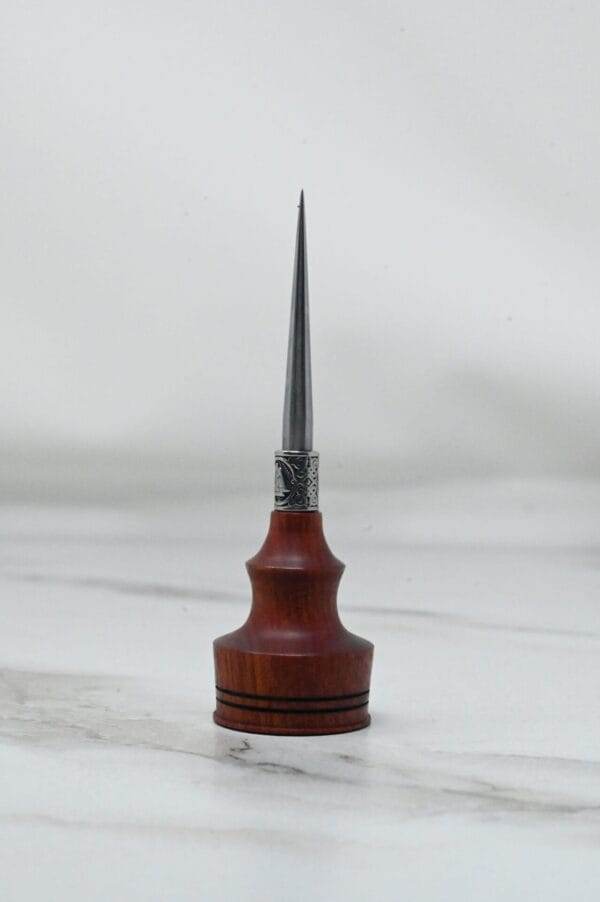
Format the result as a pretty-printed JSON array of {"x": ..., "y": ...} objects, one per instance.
[
  {"x": 292, "y": 710},
  {"x": 289, "y": 698}
]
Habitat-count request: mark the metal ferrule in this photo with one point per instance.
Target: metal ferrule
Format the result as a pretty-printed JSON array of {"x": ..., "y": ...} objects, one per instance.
[{"x": 296, "y": 480}]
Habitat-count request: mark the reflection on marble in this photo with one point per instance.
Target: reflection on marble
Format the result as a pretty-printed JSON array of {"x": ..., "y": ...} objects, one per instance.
[{"x": 478, "y": 779}]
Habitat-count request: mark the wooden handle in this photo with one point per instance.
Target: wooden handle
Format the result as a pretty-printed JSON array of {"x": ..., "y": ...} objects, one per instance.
[{"x": 293, "y": 668}]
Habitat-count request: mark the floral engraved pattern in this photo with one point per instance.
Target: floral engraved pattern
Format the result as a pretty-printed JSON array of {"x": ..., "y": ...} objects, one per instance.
[{"x": 296, "y": 481}]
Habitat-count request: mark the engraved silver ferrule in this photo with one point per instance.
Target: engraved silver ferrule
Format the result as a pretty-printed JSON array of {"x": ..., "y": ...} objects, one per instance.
[{"x": 296, "y": 480}]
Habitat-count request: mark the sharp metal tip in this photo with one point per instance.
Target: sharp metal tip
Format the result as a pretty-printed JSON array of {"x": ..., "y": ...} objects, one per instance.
[{"x": 297, "y": 408}]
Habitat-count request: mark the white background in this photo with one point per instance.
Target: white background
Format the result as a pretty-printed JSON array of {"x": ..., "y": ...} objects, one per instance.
[{"x": 152, "y": 155}]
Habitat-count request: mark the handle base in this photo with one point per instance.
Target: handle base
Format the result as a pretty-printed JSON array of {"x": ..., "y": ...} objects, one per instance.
[{"x": 293, "y": 669}]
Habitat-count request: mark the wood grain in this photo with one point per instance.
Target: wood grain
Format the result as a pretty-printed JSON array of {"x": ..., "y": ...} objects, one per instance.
[{"x": 293, "y": 668}]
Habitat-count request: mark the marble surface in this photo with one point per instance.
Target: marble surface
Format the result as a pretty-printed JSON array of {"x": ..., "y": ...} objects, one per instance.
[{"x": 478, "y": 779}]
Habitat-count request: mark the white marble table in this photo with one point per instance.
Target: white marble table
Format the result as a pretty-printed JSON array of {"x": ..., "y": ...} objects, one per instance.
[{"x": 479, "y": 778}]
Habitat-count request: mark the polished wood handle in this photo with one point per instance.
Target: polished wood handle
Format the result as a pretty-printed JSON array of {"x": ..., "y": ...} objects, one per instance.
[{"x": 293, "y": 668}]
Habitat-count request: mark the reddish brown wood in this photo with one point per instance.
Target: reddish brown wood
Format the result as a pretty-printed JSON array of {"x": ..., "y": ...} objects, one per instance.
[{"x": 293, "y": 668}]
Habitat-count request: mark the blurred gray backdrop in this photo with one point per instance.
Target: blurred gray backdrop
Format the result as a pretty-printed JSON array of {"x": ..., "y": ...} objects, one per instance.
[{"x": 152, "y": 156}]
